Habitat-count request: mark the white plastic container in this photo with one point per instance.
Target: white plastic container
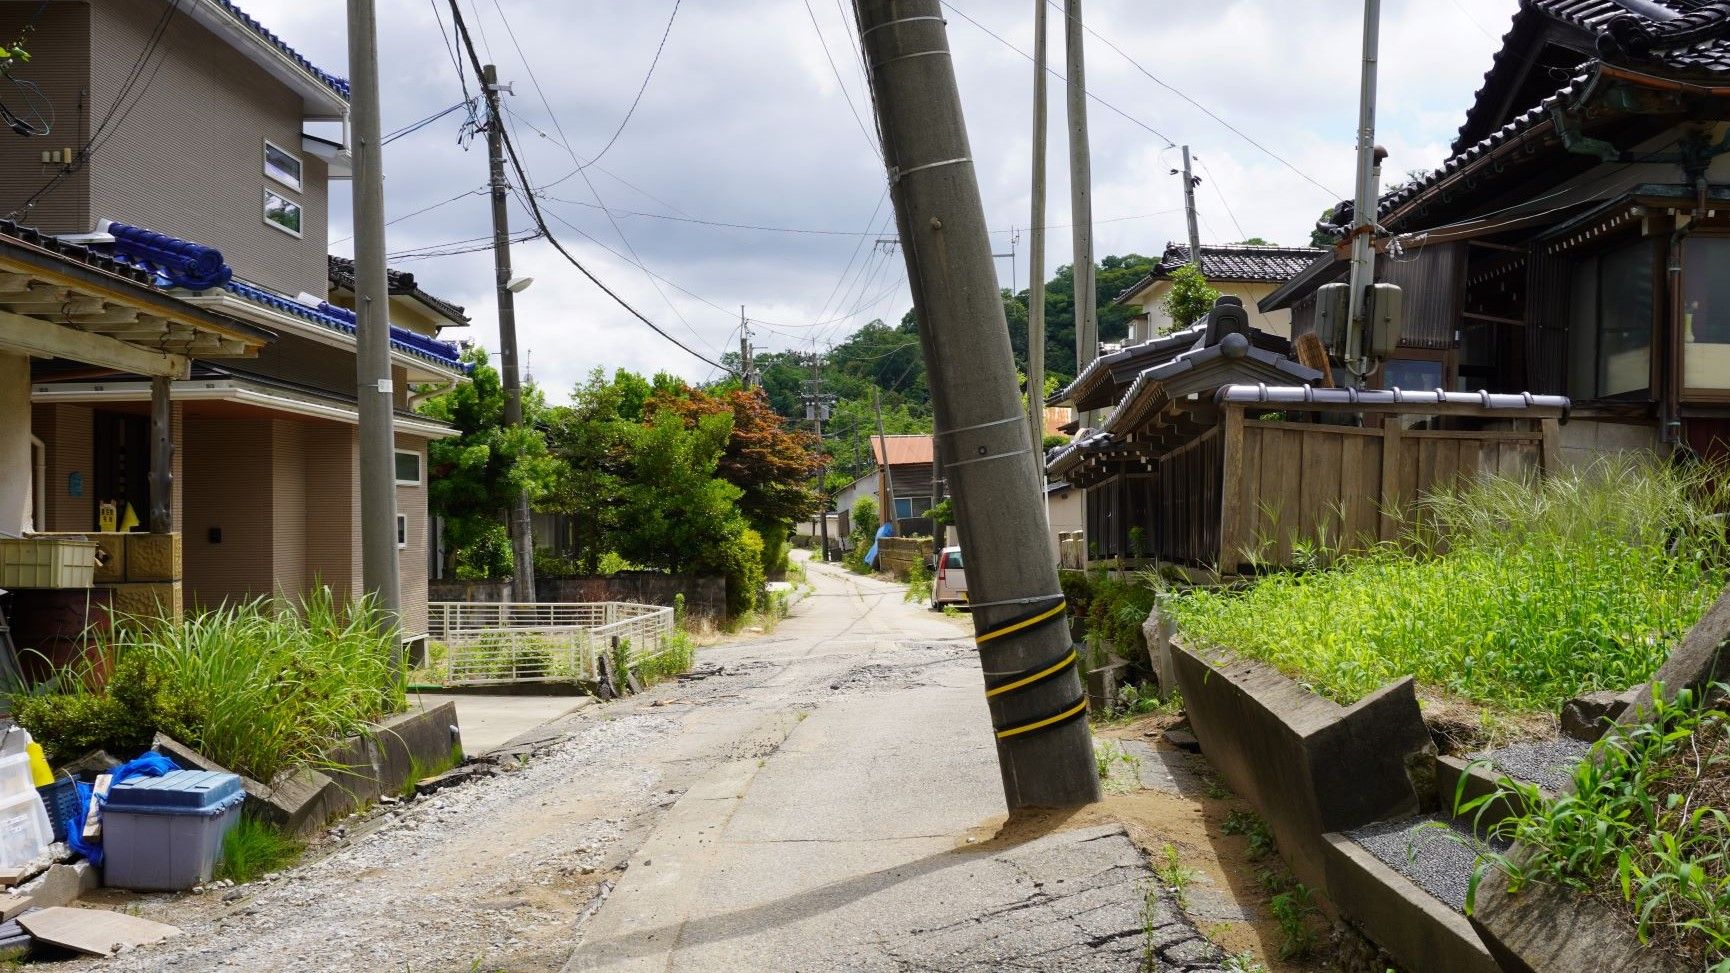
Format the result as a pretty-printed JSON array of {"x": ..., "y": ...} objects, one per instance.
[
  {"x": 15, "y": 777},
  {"x": 24, "y": 830}
]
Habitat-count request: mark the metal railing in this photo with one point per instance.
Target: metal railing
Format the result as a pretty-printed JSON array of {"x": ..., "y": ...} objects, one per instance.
[{"x": 528, "y": 642}]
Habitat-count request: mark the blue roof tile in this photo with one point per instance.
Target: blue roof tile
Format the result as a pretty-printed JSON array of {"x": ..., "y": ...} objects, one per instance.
[{"x": 343, "y": 320}]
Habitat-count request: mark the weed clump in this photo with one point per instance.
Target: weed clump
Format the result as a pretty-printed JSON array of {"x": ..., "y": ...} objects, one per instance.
[{"x": 1513, "y": 595}]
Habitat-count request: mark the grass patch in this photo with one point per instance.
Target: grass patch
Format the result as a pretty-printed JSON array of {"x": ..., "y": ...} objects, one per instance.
[
  {"x": 1645, "y": 830},
  {"x": 677, "y": 654},
  {"x": 1510, "y": 595},
  {"x": 1175, "y": 874},
  {"x": 253, "y": 849},
  {"x": 419, "y": 770},
  {"x": 918, "y": 582},
  {"x": 258, "y": 688}
]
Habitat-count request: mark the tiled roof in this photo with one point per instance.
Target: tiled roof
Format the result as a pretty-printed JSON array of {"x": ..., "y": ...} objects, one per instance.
[
  {"x": 401, "y": 282},
  {"x": 75, "y": 252},
  {"x": 903, "y": 450},
  {"x": 1696, "y": 42},
  {"x": 1240, "y": 262},
  {"x": 441, "y": 353},
  {"x": 331, "y": 81}
]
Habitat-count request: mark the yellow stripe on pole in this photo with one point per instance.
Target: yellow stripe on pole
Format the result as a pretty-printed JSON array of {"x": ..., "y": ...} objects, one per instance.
[
  {"x": 1018, "y": 626},
  {"x": 1068, "y": 660},
  {"x": 1029, "y": 728}
]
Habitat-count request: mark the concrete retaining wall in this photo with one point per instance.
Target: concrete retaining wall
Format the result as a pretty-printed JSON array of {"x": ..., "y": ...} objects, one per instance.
[
  {"x": 1309, "y": 765},
  {"x": 475, "y": 592}
]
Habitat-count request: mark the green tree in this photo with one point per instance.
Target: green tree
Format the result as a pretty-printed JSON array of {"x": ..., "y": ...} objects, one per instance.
[
  {"x": 1190, "y": 297},
  {"x": 475, "y": 476},
  {"x": 1321, "y": 238}
]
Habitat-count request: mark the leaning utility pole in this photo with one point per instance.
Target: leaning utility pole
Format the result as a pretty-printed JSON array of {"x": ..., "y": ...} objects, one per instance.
[
  {"x": 521, "y": 522},
  {"x": 1189, "y": 207},
  {"x": 374, "y": 393},
  {"x": 1032, "y": 679},
  {"x": 1081, "y": 193},
  {"x": 1036, "y": 250},
  {"x": 1364, "y": 205}
]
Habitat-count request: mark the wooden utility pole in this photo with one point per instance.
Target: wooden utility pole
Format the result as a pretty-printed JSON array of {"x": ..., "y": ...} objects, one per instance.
[
  {"x": 1081, "y": 193},
  {"x": 1036, "y": 248},
  {"x": 886, "y": 478},
  {"x": 374, "y": 392},
  {"x": 1189, "y": 208},
  {"x": 1032, "y": 677},
  {"x": 520, "y": 522}
]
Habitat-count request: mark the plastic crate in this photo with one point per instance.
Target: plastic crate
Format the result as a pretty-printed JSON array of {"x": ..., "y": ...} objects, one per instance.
[
  {"x": 47, "y": 562},
  {"x": 15, "y": 779},
  {"x": 61, "y": 800},
  {"x": 24, "y": 830}
]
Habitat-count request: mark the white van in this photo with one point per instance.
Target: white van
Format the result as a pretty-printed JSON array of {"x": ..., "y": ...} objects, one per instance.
[{"x": 949, "y": 587}]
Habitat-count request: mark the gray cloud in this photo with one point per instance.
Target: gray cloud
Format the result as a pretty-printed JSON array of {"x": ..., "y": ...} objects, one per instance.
[{"x": 745, "y": 122}]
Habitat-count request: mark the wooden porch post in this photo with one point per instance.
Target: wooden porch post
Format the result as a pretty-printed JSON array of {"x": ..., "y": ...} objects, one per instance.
[
  {"x": 161, "y": 457},
  {"x": 1231, "y": 490},
  {"x": 1551, "y": 445},
  {"x": 1391, "y": 436}
]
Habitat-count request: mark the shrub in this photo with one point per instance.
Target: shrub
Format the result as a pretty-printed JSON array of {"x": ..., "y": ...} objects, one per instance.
[
  {"x": 864, "y": 522},
  {"x": 918, "y": 582},
  {"x": 742, "y": 564},
  {"x": 1517, "y": 596},
  {"x": 774, "y": 550},
  {"x": 258, "y": 688},
  {"x": 550, "y": 565}
]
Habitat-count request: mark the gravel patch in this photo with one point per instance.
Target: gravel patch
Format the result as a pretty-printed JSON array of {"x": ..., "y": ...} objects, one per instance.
[
  {"x": 1547, "y": 763},
  {"x": 1437, "y": 859}
]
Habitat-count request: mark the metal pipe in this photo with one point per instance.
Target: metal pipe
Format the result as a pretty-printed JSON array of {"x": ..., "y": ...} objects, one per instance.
[{"x": 1649, "y": 9}]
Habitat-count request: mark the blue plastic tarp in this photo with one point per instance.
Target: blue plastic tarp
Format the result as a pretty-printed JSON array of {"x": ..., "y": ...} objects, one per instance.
[
  {"x": 152, "y": 764},
  {"x": 887, "y": 530}
]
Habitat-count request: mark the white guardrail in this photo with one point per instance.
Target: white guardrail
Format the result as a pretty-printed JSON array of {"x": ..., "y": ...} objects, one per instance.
[{"x": 505, "y": 642}]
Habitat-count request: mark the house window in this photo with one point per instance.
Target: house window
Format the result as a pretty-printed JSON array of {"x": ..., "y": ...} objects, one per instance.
[
  {"x": 401, "y": 531},
  {"x": 283, "y": 166},
  {"x": 407, "y": 468},
  {"x": 282, "y": 213},
  {"x": 1612, "y": 327},
  {"x": 906, "y": 508},
  {"x": 1706, "y": 313},
  {"x": 1412, "y": 375}
]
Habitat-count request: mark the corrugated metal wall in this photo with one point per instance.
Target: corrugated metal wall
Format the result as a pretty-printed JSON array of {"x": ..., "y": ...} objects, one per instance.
[
  {"x": 1549, "y": 290},
  {"x": 1433, "y": 281}
]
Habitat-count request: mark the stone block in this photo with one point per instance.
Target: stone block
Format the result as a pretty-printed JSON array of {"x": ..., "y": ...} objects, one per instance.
[
  {"x": 148, "y": 600},
  {"x": 153, "y": 557},
  {"x": 297, "y": 802},
  {"x": 1544, "y": 929},
  {"x": 383, "y": 760},
  {"x": 61, "y": 885},
  {"x": 1587, "y": 717},
  {"x": 1413, "y": 926},
  {"x": 1699, "y": 659},
  {"x": 1158, "y": 631},
  {"x": 110, "y": 558}
]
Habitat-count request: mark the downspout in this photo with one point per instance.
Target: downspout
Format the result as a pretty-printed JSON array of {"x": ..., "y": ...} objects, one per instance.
[{"x": 39, "y": 485}]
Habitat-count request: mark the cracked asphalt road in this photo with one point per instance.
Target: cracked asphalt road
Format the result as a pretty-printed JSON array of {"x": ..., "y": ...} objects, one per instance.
[{"x": 828, "y": 802}]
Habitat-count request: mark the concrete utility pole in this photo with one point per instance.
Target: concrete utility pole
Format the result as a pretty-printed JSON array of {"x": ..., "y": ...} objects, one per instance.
[
  {"x": 374, "y": 392},
  {"x": 886, "y": 478},
  {"x": 1081, "y": 193},
  {"x": 744, "y": 348},
  {"x": 1032, "y": 679},
  {"x": 1036, "y": 249},
  {"x": 1364, "y": 205},
  {"x": 521, "y": 522},
  {"x": 817, "y": 409},
  {"x": 1189, "y": 181}
]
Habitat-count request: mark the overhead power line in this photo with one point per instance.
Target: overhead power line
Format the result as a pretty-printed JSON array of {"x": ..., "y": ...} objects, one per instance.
[
  {"x": 632, "y": 111},
  {"x": 1198, "y": 105},
  {"x": 541, "y": 222},
  {"x": 836, "y": 70}
]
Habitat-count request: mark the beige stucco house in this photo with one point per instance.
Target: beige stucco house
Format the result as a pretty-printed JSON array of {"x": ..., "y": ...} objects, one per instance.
[{"x": 1238, "y": 270}]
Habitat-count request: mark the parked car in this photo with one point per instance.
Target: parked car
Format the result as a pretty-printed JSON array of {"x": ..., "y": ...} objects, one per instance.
[{"x": 950, "y": 585}]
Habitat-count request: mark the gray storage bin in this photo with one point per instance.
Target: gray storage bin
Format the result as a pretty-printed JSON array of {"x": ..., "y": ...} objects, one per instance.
[{"x": 165, "y": 833}]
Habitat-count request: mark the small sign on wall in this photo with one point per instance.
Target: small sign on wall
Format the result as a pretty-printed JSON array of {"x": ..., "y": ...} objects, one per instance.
[{"x": 75, "y": 484}]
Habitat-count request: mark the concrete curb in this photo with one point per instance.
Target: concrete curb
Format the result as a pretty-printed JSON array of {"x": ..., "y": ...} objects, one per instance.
[{"x": 1415, "y": 929}]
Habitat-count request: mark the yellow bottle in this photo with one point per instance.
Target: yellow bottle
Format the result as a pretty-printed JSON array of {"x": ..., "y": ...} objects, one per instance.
[{"x": 39, "y": 770}]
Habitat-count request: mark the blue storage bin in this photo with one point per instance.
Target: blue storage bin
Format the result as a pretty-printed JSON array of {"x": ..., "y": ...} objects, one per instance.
[
  {"x": 165, "y": 833},
  {"x": 61, "y": 800}
]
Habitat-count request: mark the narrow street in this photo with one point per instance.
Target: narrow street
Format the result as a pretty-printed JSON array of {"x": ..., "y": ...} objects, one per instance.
[{"x": 828, "y": 801}]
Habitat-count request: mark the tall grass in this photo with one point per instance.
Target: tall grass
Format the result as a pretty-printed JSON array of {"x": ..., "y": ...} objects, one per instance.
[
  {"x": 259, "y": 688},
  {"x": 1507, "y": 593}
]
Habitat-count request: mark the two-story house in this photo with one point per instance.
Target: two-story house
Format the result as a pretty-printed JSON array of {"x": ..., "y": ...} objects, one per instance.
[
  {"x": 179, "y": 148},
  {"x": 1249, "y": 272},
  {"x": 1577, "y": 241}
]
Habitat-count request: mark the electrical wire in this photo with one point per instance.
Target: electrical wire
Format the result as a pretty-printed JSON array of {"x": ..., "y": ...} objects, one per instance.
[
  {"x": 414, "y": 127},
  {"x": 540, "y": 220},
  {"x": 425, "y": 209},
  {"x": 876, "y": 149},
  {"x": 1196, "y": 104},
  {"x": 1241, "y": 235},
  {"x": 632, "y": 111},
  {"x": 1053, "y": 72}
]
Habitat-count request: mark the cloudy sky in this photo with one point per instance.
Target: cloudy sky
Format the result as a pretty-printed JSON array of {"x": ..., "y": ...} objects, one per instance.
[{"x": 749, "y": 119}]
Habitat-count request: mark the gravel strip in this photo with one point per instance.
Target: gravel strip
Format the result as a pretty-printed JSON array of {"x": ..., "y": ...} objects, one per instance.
[
  {"x": 1437, "y": 859},
  {"x": 1547, "y": 763}
]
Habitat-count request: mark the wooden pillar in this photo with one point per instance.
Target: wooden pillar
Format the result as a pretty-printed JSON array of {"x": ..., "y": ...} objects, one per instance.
[
  {"x": 161, "y": 457},
  {"x": 1392, "y": 431},
  {"x": 1231, "y": 491},
  {"x": 1552, "y": 446}
]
